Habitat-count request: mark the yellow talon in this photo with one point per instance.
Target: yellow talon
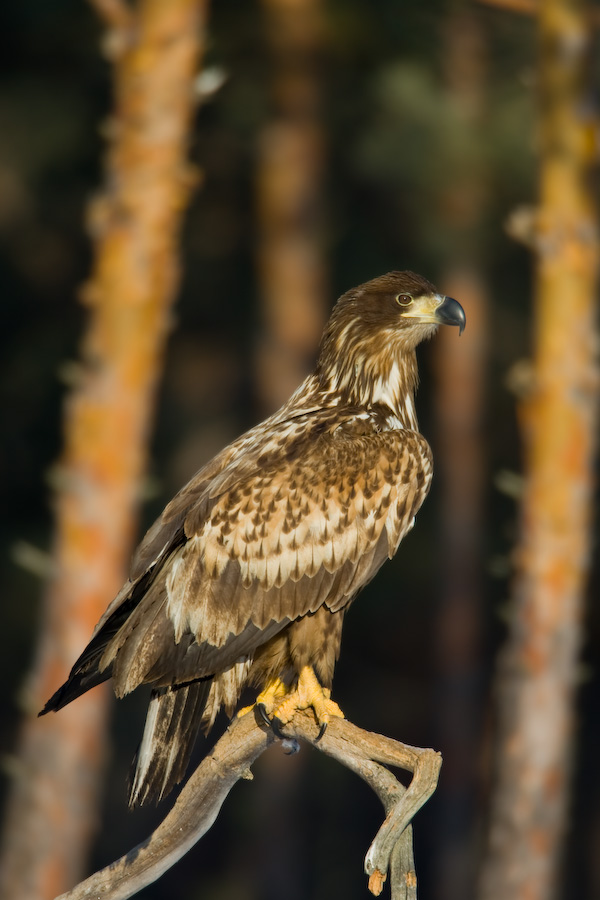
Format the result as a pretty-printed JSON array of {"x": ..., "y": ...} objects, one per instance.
[
  {"x": 308, "y": 692},
  {"x": 269, "y": 698},
  {"x": 279, "y": 704}
]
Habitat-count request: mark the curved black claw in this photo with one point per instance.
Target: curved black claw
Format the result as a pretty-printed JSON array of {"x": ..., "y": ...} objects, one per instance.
[
  {"x": 322, "y": 731},
  {"x": 262, "y": 711},
  {"x": 276, "y": 726}
]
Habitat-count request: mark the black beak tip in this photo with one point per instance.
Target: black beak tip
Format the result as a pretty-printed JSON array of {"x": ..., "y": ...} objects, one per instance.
[{"x": 451, "y": 313}]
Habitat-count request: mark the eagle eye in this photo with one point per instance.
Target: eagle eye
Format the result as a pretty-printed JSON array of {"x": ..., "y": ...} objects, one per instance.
[{"x": 404, "y": 299}]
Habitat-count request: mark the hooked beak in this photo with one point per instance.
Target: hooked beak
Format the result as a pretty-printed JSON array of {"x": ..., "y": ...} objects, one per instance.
[
  {"x": 450, "y": 312},
  {"x": 437, "y": 309}
]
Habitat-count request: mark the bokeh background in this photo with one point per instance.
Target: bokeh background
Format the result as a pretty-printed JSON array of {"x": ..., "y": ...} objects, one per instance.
[{"x": 421, "y": 147}]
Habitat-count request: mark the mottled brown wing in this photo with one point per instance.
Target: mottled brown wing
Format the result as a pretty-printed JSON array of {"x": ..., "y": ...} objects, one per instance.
[
  {"x": 238, "y": 461},
  {"x": 276, "y": 544},
  {"x": 167, "y": 532},
  {"x": 300, "y": 520}
]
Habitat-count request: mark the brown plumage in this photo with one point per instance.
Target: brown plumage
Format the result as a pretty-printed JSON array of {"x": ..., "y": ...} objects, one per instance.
[{"x": 245, "y": 577}]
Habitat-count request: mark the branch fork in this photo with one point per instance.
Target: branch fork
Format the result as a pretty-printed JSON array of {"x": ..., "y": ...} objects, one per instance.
[{"x": 201, "y": 798}]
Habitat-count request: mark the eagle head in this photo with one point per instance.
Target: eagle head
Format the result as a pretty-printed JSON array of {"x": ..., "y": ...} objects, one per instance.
[{"x": 374, "y": 329}]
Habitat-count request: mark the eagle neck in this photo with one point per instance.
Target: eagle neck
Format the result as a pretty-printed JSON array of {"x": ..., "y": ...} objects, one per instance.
[{"x": 383, "y": 384}]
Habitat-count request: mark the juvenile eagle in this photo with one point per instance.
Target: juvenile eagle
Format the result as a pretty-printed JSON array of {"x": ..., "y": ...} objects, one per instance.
[{"x": 245, "y": 578}]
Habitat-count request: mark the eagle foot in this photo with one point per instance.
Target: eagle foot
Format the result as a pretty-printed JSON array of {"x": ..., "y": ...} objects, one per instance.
[
  {"x": 308, "y": 693},
  {"x": 277, "y": 704},
  {"x": 267, "y": 700}
]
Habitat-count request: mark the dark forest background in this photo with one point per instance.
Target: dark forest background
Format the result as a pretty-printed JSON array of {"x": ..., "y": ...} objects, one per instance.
[{"x": 408, "y": 179}]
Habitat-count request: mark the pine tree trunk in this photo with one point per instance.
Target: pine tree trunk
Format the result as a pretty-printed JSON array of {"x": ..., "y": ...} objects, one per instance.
[
  {"x": 461, "y": 470},
  {"x": 289, "y": 180},
  {"x": 134, "y": 224},
  {"x": 558, "y": 417}
]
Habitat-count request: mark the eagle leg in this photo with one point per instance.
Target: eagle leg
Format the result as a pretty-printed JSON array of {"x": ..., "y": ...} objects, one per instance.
[{"x": 308, "y": 692}]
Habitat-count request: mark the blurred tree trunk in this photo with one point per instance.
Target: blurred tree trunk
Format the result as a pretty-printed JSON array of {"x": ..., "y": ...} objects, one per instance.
[
  {"x": 293, "y": 281},
  {"x": 293, "y": 296},
  {"x": 460, "y": 370},
  {"x": 135, "y": 227},
  {"x": 558, "y": 416}
]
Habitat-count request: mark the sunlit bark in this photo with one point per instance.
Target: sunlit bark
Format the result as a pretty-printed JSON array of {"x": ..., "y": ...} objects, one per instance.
[
  {"x": 558, "y": 418},
  {"x": 135, "y": 227}
]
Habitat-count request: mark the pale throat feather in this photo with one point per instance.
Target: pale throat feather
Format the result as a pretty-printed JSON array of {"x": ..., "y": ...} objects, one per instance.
[
  {"x": 372, "y": 381},
  {"x": 396, "y": 391}
]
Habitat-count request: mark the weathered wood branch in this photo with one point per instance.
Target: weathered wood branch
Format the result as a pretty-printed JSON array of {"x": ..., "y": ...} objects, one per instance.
[{"x": 199, "y": 803}]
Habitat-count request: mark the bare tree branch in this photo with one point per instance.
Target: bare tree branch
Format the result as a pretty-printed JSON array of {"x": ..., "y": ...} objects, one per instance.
[{"x": 203, "y": 795}]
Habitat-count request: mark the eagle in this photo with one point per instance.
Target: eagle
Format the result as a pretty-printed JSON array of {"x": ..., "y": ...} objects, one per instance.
[{"x": 246, "y": 576}]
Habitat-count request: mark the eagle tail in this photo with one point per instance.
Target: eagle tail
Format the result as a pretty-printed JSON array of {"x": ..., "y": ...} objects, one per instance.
[{"x": 172, "y": 724}]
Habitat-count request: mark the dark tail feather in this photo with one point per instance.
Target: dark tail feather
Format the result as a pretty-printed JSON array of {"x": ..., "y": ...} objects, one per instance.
[
  {"x": 84, "y": 675},
  {"x": 172, "y": 724},
  {"x": 74, "y": 687},
  {"x": 86, "y": 672}
]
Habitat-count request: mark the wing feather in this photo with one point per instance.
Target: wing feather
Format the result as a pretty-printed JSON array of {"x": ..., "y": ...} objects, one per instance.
[
  {"x": 247, "y": 548},
  {"x": 270, "y": 545}
]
